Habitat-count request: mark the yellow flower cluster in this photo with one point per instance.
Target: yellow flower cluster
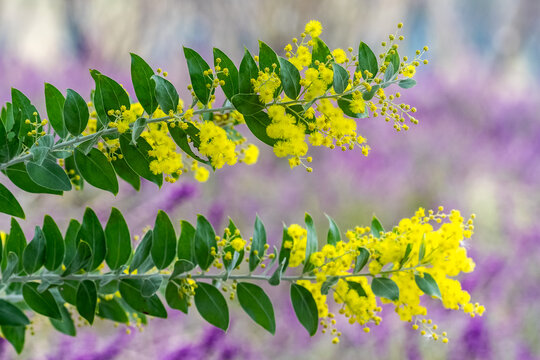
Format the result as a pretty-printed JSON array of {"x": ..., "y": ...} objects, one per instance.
[
  {"x": 166, "y": 160},
  {"x": 266, "y": 84},
  {"x": 297, "y": 245},
  {"x": 413, "y": 248},
  {"x": 125, "y": 117},
  {"x": 290, "y": 134},
  {"x": 216, "y": 145},
  {"x": 316, "y": 81}
]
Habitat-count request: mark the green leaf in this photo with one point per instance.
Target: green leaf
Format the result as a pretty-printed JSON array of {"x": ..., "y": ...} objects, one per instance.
[
  {"x": 81, "y": 259},
  {"x": 76, "y": 113},
  {"x": 71, "y": 240},
  {"x": 334, "y": 235},
  {"x": 138, "y": 127},
  {"x": 393, "y": 66},
  {"x": 108, "y": 95},
  {"x": 212, "y": 305},
  {"x": 311, "y": 244},
  {"x": 9, "y": 143},
  {"x": 117, "y": 240},
  {"x": 68, "y": 291},
  {"x": 369, "y": 94},
  {"x": 275, "y": 279},
  {"x": 54, "y": 102},
  {"x": 357, "y": 287},
  {"x": 15, "y": 336},
  {"x": 305, "y": 308},
  {"x": 330, "y": 281},
  {"x": 205, "y": 239},
  {"x": 142, "y": 252},
  {"x": 34, "y": 254},
  {"x": 407, "y": 83},
  {"x": 422, "y": 249},
  {"x": 137, "y": 158},
  {"x": 361, "y": 260},
  {"x": 141, "y": 77},
  {"x": 19, "y": 176},
  {"x": 166, "y": 94},
  {"x": 181, "y": 266},
  {"x": 164, "y": 243},
  {"x": 12, "y": 264},
  {"x": 257, "y": 305},
  {"x": 376, "y": 227},
  {"x": 112, "y": 310},
  {"x": 150, "y": 285},
  {"x": 388, "y": 74},
  {"x": 8, "y": 204},
  {"x": 180, "y": 137},
  {"x": 320, "y": 52},
  {"x": 428, "y": 285},
  {"x": 341, "y": 78},
  {"x": 130, "y": 289},
  {"x": 87, "y": 300},
  {"x": 408, "y": 251},
  {"x": 290, "y": 78},
  {"x": 247, "y": 104},
  {"x": 49, "y": 174},
  {"x": 344, "y": 103},
  {"x": 201, "y": 83},
  {"x": 72, "y": 171},
  {"x": 186, "y": 242},
  {"x": 259, "y": 240},
  {"x": 367, "y": 61},
  {"x": 15, "y": 242},
  {"x": 248, "y": 71},
  {"x": 176, "y": 299},
  {"x": 231, "y": 81},
  {"x": 97, "y": 170},
  {"x": 386, "y": 288},
  {"x": 285, "y": 252},
  {"x": 237, "y": 256},
  {"x": 38, "y": 151},
  {"x": 22, "y": 103},
  {"x": 257, "y": 124},
  {"x": 88, "y": 145},
  {"x": 11, "y": 315},
  {"x": 54, "y": 244},
  {"x": 126, "y": 173},
  {"x": 267, "y": 58},
  {"x": 92, "y": 233},
  {"x": 65, "y": 325},
  {"x": 41, "y": 302}
]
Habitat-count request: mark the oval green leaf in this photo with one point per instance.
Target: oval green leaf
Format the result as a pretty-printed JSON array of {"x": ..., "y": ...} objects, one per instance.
[
  {"x": 428, "y": 285},
  {"x": 212, "y": 305},
  {"x": 49, "y": 174},
  {"x": 141, "y": 77},
  {"x": 41, "y": 302},
  {"x": 87, "y": 300},
  {"x": 386, "y": 288},
  {"x": 8, "y": 204},
  {"x": 257, "y": 305},
  {"x": 196, "y": 67},
  {"x": 117, "y": 240},
  {"x": 76, "y": 113},
  {"x": 305, "y": 308},
  {"x": 54, "y": 244},
  {"x": 163, "y": 248},
  {"x": 97, "y": 170},
  {"x": 11, "y": 315},
  {"x": 205, "y": 239}
]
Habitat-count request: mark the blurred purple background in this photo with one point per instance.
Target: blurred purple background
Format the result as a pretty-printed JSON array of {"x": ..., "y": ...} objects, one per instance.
[{"x": 475, "y": 149}]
